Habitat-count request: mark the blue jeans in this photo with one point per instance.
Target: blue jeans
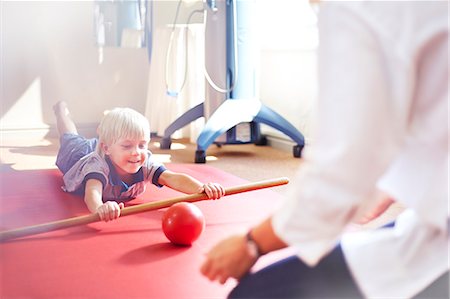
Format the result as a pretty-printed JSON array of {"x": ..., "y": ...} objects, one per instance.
[
  {"x": 291, "y": 278},
  {"x": 331, "y": 278}
]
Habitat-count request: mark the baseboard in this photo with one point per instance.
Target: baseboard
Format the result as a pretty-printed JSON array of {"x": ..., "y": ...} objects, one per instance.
[
  {"x": 281, "y": 143},
  {"x": 89, "y": 131}
]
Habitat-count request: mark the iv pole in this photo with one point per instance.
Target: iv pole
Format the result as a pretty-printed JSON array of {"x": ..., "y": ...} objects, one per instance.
[{"x": 239, "y": 104}]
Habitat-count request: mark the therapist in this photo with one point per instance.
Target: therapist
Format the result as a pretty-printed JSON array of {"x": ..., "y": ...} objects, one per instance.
[{"x": 382, "y": 132}]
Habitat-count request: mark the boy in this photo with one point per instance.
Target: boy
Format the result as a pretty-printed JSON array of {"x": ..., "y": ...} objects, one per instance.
[{"x": 117, "y": 166}]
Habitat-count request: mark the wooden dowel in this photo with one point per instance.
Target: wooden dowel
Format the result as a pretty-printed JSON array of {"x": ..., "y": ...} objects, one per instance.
[{"x": 82, "y": 220}]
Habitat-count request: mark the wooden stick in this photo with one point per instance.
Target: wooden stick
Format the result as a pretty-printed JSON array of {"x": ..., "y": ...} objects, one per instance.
[{"x": 81, "y": 220}]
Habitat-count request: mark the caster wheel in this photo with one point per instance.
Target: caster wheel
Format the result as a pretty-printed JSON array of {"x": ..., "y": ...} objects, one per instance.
[
  {"x": 200, "y": 156},
  {"x": 297, "y": 150},
  {"x": 165, "y": 143},
  {"x": 261, "y": 141}
]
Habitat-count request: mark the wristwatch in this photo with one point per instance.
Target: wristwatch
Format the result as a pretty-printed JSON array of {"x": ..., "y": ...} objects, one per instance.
[{"x": 252, "y": 247}]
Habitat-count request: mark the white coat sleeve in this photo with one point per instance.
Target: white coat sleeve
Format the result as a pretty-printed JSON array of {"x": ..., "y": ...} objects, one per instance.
[{"x": 353, "y": 143}]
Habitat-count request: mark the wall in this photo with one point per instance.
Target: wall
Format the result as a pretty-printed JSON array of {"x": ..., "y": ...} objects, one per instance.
[
  {"x": 48, "y": 54},
  {"x": 288, "y": 40}
]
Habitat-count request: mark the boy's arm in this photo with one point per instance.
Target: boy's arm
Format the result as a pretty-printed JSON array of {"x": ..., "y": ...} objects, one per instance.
[
  {"x": 189, "y": 185},
  {"x": 93, "y": 191},
  {"x": 93, "y": 194}
]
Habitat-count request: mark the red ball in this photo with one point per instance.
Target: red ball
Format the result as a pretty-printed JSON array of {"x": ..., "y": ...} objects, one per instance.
[{"x": 183, "y": 223}]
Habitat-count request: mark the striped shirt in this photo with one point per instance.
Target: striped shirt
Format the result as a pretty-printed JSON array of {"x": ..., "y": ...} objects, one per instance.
[{"x": 93, "y": 166}]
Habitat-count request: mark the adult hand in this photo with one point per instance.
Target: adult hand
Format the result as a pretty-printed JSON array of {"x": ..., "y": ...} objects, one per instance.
[
  {"x": 230, "y": 258},
  {"x": 380, "y": 208}
]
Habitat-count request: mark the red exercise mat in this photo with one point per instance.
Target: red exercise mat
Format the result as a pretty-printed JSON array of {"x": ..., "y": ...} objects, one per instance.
[{"x": 126, "y": 258}]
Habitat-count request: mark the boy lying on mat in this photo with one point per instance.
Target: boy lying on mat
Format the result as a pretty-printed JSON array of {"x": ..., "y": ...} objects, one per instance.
[{"x": 117, "y": 166}]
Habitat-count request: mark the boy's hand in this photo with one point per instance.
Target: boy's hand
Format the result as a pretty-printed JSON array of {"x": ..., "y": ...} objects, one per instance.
[
  {"x": 213, "y": 190},
  {"x": 110, "y": 210}
]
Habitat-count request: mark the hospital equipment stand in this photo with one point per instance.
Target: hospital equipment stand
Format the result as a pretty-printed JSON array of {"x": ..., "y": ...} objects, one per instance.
[{"x": 237, "y": 109}]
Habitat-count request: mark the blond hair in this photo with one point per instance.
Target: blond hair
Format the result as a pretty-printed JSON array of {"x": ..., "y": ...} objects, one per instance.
[{"x": 122, "y": 123}]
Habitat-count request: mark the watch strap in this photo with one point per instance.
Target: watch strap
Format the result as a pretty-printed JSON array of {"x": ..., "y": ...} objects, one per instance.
[{"x": 252, "y": 245}]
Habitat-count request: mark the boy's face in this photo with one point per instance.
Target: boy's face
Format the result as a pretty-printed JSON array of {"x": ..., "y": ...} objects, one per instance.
[{"x": 127, "y": 155}]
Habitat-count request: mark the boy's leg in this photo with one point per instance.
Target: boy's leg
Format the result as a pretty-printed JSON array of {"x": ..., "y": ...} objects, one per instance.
[
  {"x": 73, "y": 146},
  {"x": 63, "y": 121}
]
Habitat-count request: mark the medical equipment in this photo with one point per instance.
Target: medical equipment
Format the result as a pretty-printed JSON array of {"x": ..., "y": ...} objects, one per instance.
[
  {"x": 231, "y": 105},
  {"x": 174, "y": 92},
  {"x": 232, "y": 111}
]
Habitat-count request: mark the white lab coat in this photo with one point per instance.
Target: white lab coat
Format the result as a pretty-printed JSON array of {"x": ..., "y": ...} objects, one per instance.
[{"x": 382, "y": 124}]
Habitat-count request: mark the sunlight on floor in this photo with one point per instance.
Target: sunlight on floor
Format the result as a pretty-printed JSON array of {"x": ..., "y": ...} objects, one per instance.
[
  {"x": 173, "y": 146},
  {"x": 23, "y": 156},
  {"x": 162, "y": 158},
  {"x": 32, "y": 162}
]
